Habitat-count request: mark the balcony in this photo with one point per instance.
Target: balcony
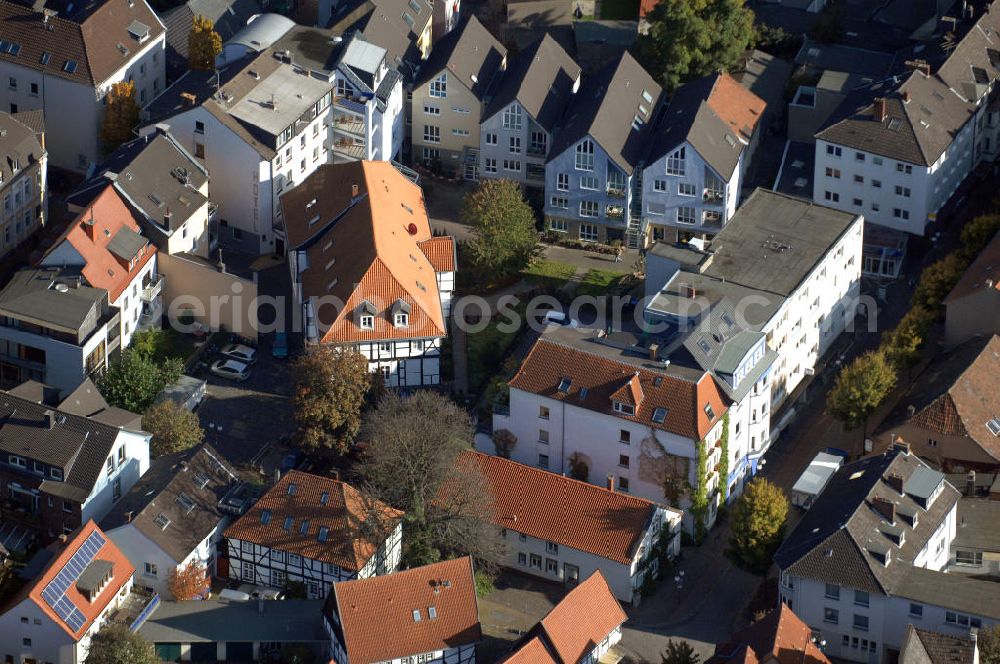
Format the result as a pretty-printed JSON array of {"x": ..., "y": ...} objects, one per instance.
[
  {"x": 213, "y": 212},
  {"x": 352, "y": 104},
  {"x": 712, "y": 221},
  {"x": 615, "y": 212},
  {"x": 349, "y": 124},
  {"x": 713, "y": 196},
  {"x": 152, "y": 290},
  {"x": 535, "y": 173},
  {"x": 536, "y": 151},
  {"x": 616, "y": 192},
  {"x": 349, "y": 149},
  {"x": 136, "y": 608}
]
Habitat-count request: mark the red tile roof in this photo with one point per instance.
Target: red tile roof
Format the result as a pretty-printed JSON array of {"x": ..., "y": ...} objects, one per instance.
[
  {"x": 780, "y": 635},
  {"x": 440, "y": 251},
  {"x": 630, "y": 392},
  {"x": 548, "y": 363},
  {"x": 560, "y": 509},
  {"x": 362, "y": 226},
  {"x": 377, "y": 614},
  {"x": 121, "y": 573},
  {"x": 735, "y": 105},
  {"x": 91, "y": 233},
  {"x": 984, "y": 273},
  {"x": 532, "y": 652},
  {"x": 343, "y": 514},
  {"x": 646, "y": 7},
  {"x": 582, "y": 619}
]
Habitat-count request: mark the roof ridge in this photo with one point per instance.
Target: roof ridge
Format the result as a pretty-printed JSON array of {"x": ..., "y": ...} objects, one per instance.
[{"x": 629, "y": 369}]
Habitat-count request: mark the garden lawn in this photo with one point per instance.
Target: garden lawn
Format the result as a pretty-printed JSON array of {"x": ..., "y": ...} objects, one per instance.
[
  {"x": 163, "y": 344},
  {"x": 549, "y": 275},
  {"x": 602, "y": 282},
  {"x": 486, "y": 350}
]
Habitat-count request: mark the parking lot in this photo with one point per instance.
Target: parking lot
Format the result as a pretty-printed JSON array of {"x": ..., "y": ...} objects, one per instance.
[{"x": 242, "y": 418}]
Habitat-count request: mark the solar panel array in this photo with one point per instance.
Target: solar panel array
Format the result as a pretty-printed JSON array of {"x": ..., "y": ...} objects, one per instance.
[{"x": 55, "y": 593}]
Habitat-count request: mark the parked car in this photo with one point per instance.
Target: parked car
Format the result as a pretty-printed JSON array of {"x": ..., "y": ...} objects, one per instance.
[
  {"x": 559, "y": 318},
  {"x": 280, "y": 346},
  {"x": 230, "y": 369},
  {"x": 239, "y": 352}
]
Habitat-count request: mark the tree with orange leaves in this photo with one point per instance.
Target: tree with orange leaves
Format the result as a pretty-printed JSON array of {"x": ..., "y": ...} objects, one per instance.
[
  {"x": 188, "y": 581},
  {"x": 121, "y": 115}
]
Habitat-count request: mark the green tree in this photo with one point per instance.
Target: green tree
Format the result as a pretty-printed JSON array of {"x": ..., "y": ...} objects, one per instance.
[
  {"x": 135, "y": 380},
  {"x": 829, "y": 25},
  {"x": 688, "y": 39},
  {"x": 699, "y": 492},
  {"x": 412, "y": 448},
  {"x": 174, "y": 428},
  {"x": 121, "y": 115},
  {"x": 504, "y": 239},
  {"x": 679, "y": 652},
  {"x": 989, "y": 645},
  {"x": 758, "y": 524},
  {"x": 330, "y": 388},
  {"x": 977, "y": 234},
  {"x": 936, "y": 281},
  {"x": 902, "y": 344},
  {"x": 117, "y": 644},
  {"x": 860, "y": 389},
  {"x": 204, "y": 43}
]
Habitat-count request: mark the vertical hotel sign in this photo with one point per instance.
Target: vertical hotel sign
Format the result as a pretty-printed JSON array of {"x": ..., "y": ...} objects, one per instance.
[{"x": 255, "y": 208}]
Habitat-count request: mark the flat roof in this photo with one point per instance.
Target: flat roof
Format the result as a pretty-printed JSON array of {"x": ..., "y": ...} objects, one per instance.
[
  {"x": 818, "y": 473},
  {"x": 774, "y": 241},
  {"x": 213, "y": 620},
  {"x": 977, "y": 524},
  {"x": 279, "y": 100}
]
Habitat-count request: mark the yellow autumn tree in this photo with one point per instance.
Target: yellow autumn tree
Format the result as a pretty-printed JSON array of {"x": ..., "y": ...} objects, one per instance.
[
  {"x": 189, "y": 581},
  {"x": 121, "y": 115},
  {"x": 204, "y": 43}
]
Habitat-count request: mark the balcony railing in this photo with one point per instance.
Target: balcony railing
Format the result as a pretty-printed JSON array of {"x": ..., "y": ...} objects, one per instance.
[
  {"x": 536, "y": 151},
  {"x": 713, "y": 196},
  {"x": 136, "y": 608},
  {"x": 615, "y": 212},
  {"x": 349, "y": 149},
  {"x": 349, "y": 125},
  {"x": 352, "y": 105},
  {"x": 617, "y": 192},
  {"x": 152, "y": 291}
]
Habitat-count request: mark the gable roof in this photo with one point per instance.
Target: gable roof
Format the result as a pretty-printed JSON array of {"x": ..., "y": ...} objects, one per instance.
[
  {"x": 843, "y": 535},
  {"x": 369, "y": 609},
  {"x": 562, "y": 510},
  {"x": 96, "y": 38},
  {"x": 922, "y": 646},
  {"x": 716, "y": 115},
  {"x": 595, "y": 379},
  {"x": 228, "y": 17},
  {"x": 20, "y": 144},
  {"x": 982, "y": 274},
  {"x": 780, "y": 637},
  {"x": 584, "y": 618},
  {"x": 187, "y": 488},
  {"x": 108, "y": 239},
  {"x": 923, "y": 112},
  {"x": 366, "y": 247},
  {"x": 86, "y": 401},
  {"x": 532, "y": 651},
  {"x": 957, "y": 396},
  {"x": 470, "y": 54},
  {"x": 94, "y": 549},
  {"x": 541, "y": 79},
  {"x": 308, "y": 503},
  {"x": 606, "y": 108},
  {"x": 380, "y": 22}
]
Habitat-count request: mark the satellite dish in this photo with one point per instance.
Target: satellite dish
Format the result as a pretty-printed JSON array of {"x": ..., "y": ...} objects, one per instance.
[{"x": 62, "y": 288}]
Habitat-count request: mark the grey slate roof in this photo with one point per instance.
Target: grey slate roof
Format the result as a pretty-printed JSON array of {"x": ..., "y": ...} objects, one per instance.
[
  {"x": 541, "y": 79},
  {"x": 229, "y": 17},
  {"x": 126, "y": 243},
  {"x": 952, "y": 591},
  {"x": 86, "y": 401},
  {"x": 836, "y": 540},
  {"x": 839, "y": 57},
  {"x": 918, "y": 131},
  {"x": 31, "y": 295},
  {"x": 76, "y": 444},
  {"x": 158, "y": 490},
  {"x": 213, "y": 620},
  {"x": 471, "y": 55},
  {"x": 774, "y": 241},
  {"x": 18, "y": 142},
  {"x": 605, "y": 108},
  {"x": 381, "y": 23},
  {"x": 978, "y": 525},
  {"x": 921, "y": 646}
]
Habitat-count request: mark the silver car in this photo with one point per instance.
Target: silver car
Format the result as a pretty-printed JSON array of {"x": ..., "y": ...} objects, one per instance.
[
  {"x": 231, "y": 369},
  {"x": 241, "y": 353}
]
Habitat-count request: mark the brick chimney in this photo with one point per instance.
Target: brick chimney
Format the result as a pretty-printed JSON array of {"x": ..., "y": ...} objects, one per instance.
[
  {"x": 921, "y": 66},
  {"x": 906, "y": 96},
  {"x": 886, "y": 508},
  {"x": 879, "y": 110},
  {"x": 896, "y": 482},
  {"x": 611, "y": 482},
  {"x": 901, "y": 445}
]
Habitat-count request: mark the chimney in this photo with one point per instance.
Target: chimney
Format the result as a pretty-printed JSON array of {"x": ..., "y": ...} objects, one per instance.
[
  {"x": 354, "y": 191},
  {"x": 162, "y": 128},
  {"x": 128, "y": 517},
  {"x": 921, "y": 66},
  {"x": 88, "y": 225},
  {"x": 901, "y": 445},
  {"x": 906, "y": 96},
  {"x": 880, "y": 111},
  {"x": 62, "y": 539},
  {"x": 970, "y": 483},
  {"x": 189, "y": 98},
  {"x": 896, "y": 482},
  {"x": 220, "y": 265},
  {"x": 886, "y": 508},
  {"x": 654, "y": 350},
  {"x": 611, "y": 482},
  {"x": 49, "y": 418},
  {"x": 277, "y": 475},
  {"x": 166, "y": 218}
]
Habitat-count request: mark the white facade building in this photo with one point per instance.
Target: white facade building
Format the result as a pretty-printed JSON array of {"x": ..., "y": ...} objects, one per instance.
[{"x": 99, "y": 45}]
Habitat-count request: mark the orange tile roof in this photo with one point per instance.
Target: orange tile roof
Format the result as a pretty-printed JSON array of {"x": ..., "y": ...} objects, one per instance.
[
  {"x": 377, "y": 614},
  {"x": 440, "y": 251},
  {"x": 560, "y": 509},
  {"x": 984, "y": 273},
  {"x": 582, "y": 619},
  {"x": 630, "y": 392},
  {"x": 343, "y": 514},
  {"x": 532, "y": 652},
  {"x": 735, "y": 105},
  {"x": 366, "y": 247},
  {"x": 121, "y": 572},
  {"x": 548, "y": 362},
  {"x": 102, "y": 269},
  {"x": 646, "y": 7},
  {"x": 780, "y": 635}
]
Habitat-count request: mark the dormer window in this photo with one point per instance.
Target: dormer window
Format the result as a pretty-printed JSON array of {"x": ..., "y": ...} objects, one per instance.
[
  {"x": 709, "y": 412},
  {"x": 401, "y": 313},
  {"x": 624, "y": 408},
  {"x": 366, "y": 315},
  {"x": 56, "y": 473}
]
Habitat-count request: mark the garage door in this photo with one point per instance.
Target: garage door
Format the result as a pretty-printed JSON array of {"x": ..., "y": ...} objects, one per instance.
[
  {"x": 204, "y": 652},
  {"x": 239, "y": 651},
  {"x": 168, "y": 652}
]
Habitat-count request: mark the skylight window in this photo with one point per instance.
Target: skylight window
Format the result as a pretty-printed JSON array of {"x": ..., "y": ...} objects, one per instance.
[
  {"x": 69, "y": 66},
  {"x": 659, "y": 415},
  {"x": 709, "y": 411},
  {"x": 265, "y": 517},
  {"x": 162, "y": 521},
  {"x": 324, "y": 498},
  {"x": 415, "y": 6},
  {"x": 323, "y": 533},
  {"x": 45, "y": 58},
  {"x": 704, "y": 346},
  {"x": 201, "y": 480},
  {"x": 186, "y": 502},
  {"x": 994, "y": 426},
  {"x": 304, "y": 527},
  {"x": 416, "y": 615},
  {"x": 288, "y": 523},
  {"x": 432, "y": 612},
  {"x": 564, "y": 385},
  {"x": 291, "y": 489}
]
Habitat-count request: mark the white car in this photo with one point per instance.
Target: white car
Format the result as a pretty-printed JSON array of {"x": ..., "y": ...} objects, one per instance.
[
  {"x": 239, "y": 352},
  {"x": 231, "y": 369},
  {"x": 555, "y": 317}
]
